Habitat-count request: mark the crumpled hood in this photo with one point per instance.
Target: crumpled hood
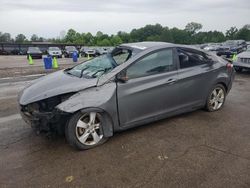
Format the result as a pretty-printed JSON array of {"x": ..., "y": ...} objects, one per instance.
[{"x": 52, "y": 85}]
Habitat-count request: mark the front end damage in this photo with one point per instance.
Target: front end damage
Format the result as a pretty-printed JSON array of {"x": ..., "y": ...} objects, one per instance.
[{"x": 43, "y": 116}]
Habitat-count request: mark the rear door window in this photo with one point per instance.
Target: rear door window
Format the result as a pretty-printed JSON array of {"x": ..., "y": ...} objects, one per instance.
[{"x": 190, "y": 57}]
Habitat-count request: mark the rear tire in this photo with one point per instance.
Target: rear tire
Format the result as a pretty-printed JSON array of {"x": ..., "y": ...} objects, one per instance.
[
  {"x": 85, "y": 130},
  {"x": 216, "y": 98}
]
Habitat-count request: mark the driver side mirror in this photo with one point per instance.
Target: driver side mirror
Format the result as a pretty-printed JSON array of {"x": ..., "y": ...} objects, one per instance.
[{"x": 122, "y": 77}]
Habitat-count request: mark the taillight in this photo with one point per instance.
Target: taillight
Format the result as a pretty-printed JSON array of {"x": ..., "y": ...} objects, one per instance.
[{"x": 229, "y": 66}]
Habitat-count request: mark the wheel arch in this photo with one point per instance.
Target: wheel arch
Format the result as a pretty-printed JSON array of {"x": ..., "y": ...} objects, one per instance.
[{"x": 223, "y": 84}]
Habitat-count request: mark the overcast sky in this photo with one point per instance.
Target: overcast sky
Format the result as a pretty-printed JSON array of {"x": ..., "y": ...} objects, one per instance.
[{"x": 47, "y": 18}]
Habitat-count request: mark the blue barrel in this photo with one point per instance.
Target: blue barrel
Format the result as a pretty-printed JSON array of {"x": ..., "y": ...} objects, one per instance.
[
  {"x": 75, "y": 56},
  {"x": 47, "y": 62}
]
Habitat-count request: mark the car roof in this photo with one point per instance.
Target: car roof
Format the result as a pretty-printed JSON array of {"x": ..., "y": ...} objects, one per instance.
[
  {"x": 141, "y": 46},
  {"x": 145, "y": 45}
]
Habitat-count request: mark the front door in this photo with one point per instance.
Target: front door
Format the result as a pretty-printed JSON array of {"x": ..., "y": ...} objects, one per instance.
[{"x": 151, "y": 89}]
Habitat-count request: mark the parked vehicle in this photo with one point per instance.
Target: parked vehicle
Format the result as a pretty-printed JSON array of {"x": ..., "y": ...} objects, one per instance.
[
  {"x": 243, "y": 61},
  {"x": 242, "y": 44},
  {"x": 102, "y": 50},
  {"x": 55, "y": 52},
  {"x": 4, "y": 52},
  {"x": 69, "y": 50},
  {"x": 212, "y": 47},
  {"x": 34, "y": 52},
  {"x": 229, "y": 48},
  {"x": 136, "y": 84},
  {"x": 17, "y": 51},
  {"x": 91, "y": 52}
]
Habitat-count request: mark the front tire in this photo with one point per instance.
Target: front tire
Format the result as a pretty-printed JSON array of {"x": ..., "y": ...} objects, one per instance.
[
  {"x": 85, "y": 130},
  {"x": 216, "y": 98}
]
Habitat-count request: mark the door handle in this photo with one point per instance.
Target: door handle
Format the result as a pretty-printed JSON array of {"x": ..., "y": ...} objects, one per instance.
[{"x": 171, "y": 81}]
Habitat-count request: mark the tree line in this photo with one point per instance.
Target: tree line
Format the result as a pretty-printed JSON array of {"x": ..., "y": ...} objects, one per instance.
[{"x": 191, "y": 34}]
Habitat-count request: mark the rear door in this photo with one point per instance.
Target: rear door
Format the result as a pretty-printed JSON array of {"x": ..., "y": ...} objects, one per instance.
[
  {"x": 196, "y": 75},
  {"x": 151, "y": 88}
]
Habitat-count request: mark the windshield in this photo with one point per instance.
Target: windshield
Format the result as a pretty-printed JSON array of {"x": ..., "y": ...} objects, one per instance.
[
  {"x": 54, "y": 48},
  {"x": 94, "y": 67},
  {"x": 34, "y": 49},
  {"x": 100, "y": 65},
  {"x": 70, "y": 48}
]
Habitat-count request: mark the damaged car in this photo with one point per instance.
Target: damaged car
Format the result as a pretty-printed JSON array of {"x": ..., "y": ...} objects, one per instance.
[{"x": 135, "y": 84}]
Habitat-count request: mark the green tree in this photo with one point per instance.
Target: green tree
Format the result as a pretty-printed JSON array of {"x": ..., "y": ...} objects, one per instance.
[
  {"x": 166, "y": 35},
  {"x": 70, "y": 36},
  {"x": 89, "y": 39},
  {"x": 104, "y": 42},
  {"x": 247, "y": 26},
  {"x": 193, "y": 27},
  {"x": 181, "y": 36},
  {"x": 20, "y": 38},
  {"x": 125, "y": 37},
  {"x": 34, "y": 38},
  {"x": 231, "y": 33},
  {"x": 115, "y": 40},
  {"x": 243, "y": 34},
  {"x": 5, "y": 37},
  {"x": 99, "y": 34}
]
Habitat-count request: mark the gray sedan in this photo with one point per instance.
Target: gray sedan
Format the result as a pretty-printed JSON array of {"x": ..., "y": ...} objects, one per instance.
[{"x": 135, "y": 84}]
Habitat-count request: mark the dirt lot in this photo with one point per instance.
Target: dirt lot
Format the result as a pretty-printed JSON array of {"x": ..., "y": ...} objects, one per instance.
[{"x": 197, "y": 149}]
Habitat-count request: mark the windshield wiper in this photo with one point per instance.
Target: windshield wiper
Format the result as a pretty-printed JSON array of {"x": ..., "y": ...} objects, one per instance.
[{"x": 83, "y": 71}]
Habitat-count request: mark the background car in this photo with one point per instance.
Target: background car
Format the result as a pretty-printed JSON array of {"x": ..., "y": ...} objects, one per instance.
[
  {"x": 17, "y": 51},
  {"x": 4, "y": 52},
  {"x": 102, "y": 50},
  {"x": 89, "y": 51},
  {"x": 212, "y": 47},
  {"x": 242, "y": 44},
  {"x": 69, "y": 50},
  {"x": 34, "y": 52},
  {"x": 229, "y": 48},
  {"x": 136, "y": 84},
  {"x": 54, "y": 52},
  {"x": 243, "y": 60}
]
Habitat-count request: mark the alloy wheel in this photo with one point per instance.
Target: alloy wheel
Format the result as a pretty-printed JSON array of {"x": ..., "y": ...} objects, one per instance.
[
  {"x": 217, "y": 98},
  {"x": 88, "y": 130}
]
